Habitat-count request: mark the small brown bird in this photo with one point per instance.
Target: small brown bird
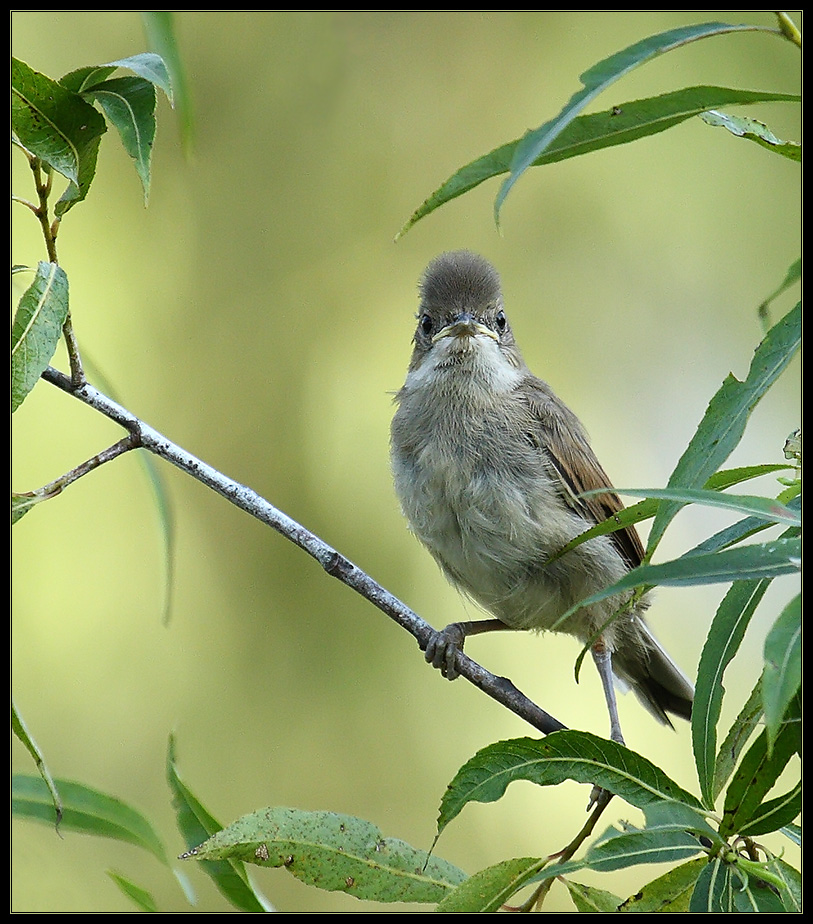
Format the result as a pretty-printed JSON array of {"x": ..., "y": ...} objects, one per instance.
[{"x": 491, "y": 468}]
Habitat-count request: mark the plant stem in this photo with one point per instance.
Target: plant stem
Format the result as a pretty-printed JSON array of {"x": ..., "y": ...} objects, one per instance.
[{"x": 49, "y": 233}]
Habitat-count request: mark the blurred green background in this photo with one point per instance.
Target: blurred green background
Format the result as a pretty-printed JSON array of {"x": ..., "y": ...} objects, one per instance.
[{"x": 259, "y": 314}]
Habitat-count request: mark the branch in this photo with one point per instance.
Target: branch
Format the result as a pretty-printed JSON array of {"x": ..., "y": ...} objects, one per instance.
[{"x": 500, "y": 689}]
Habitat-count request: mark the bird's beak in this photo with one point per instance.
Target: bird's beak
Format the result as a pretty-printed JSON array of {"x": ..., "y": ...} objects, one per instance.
[{"x": 464, "y": 325}]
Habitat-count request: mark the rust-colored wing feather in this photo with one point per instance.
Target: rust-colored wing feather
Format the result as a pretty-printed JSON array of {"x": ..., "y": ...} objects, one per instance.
[{"x": 561, "y": 435}]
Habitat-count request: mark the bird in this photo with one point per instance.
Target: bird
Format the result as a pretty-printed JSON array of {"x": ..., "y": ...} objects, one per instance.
[{"x": 492, "y": 471}]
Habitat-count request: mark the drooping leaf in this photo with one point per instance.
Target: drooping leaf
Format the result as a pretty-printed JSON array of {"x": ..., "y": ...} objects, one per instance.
[
  {"x": 596, "y": 80},
  {"x": 129, "y": 104},
  {"x": 159, "y": 27},
  {"x": 85, "y": 810},
  {"x": 722, "y": 643},
  {"x": 586, "y": 134},
  {"x": 563, "y": 755},
  {"x": 765, "y": 508},
  {"x": 333, "y": 852},
  {"x": 37, "y": 328},
  {"x": 19, "y": 728},
  {"x": 196, "y": 824},
  {"x": 136, "y": 893},
  {"x": 782, "y": 674}
]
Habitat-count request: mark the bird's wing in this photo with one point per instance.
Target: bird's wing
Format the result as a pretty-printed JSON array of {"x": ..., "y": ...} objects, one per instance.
[{"x": 561, "y": 435}]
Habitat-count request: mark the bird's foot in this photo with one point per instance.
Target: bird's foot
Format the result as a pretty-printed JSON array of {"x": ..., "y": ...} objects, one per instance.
[{"x": 441, "y": 650}]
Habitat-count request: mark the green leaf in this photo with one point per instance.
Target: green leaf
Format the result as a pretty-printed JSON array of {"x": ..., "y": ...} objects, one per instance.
[
  {"x": 159, "y": 27},
  {"x": 792, "y": 882},
  {"x": 129, "y": 104},
  {"x": 489, "y": 889},
  {"x": 723, "y": 887},
  {"x": 663, "y": 844},
  {"x": 743, "y": 529},
  {"x": 793, "y": 275},
  {"x": 196, "y": 824},
  {"x": 724, "y": 422},
  {"x": 590, "y": 900},
  {"x": 86, "y": 811},
  {"x": 669, "y": 893},
  {"x": 335, "y": 853},
  {"x": 37, "y": 328},
  {"x": 141, "y": 897},
  {"x": 765, "y": 508},
  {"x": 774, "y": 814},
  {"x": 563, "y": 755},
  {"x": 766, "y": 560},
  {"x": 741, "y": 730},
  {"x": 597, "y": 79},
  {"x": 757, "y": 773},
  {"x": 51, "y": 122},
  {"x": 722, "y": 643},
  {"x": 647, "y": 509},
  {"x": 754, "y": 131},
  {"x": 588, "y": 133},
  {"x": 782, "y": 674},
  {"x": 19, "y": 728}
]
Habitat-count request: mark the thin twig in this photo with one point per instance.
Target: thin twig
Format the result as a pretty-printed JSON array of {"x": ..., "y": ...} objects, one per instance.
[{"x": 500, "y": 689}]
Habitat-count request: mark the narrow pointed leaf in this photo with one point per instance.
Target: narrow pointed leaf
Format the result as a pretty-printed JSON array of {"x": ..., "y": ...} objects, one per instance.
[
  {"x": 19, "y": 728},
  {"x": 747, "y": 721},
  {"x": 563, "y": 755},
  {"x": 129, "y": 104},
  {"x": 138, "y": 895},
  {"x": 196, "y": 824},
  {"x": 750, "y": 562},
  {"x": 765, "y": 508},
  {"x": 588, "y": 133},
  {"x": 724, "y": 422},
  {"x": 782, "y": 674},
  {"x": 595, "y": 81},
  {"x": 335, "y": 853},
  {"x": 757, "y": 773},
  {"x": 159, "y": 27},
  {"x": 722, "y": 643},
  {"x": 590, "y": 900},
  {"x": 774, "y": 814},
  {"x": 647, "y": 509},
  {"x": 754, "y": 131},
  {"x": 85, "y": 810},
  {"x": 668, "y": 894},
  {"x": 37, "y": 328}
]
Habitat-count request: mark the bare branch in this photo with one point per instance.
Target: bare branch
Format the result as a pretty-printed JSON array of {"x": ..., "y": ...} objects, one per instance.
[{"x": 500, "y": 689}]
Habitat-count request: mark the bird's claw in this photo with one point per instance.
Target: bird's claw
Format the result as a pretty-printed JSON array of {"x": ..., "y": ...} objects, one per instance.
[{"x": 441, "y": 650}]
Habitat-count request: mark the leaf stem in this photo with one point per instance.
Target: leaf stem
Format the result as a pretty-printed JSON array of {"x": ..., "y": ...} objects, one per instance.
[
  {"x": 49, "y": 232},
  {"x": 788, "y": 28}
]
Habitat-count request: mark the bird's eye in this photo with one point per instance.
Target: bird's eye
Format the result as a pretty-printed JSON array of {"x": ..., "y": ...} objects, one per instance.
[
  {"x": 426, "y": 324},
  {"x": 501, "y": 321}
]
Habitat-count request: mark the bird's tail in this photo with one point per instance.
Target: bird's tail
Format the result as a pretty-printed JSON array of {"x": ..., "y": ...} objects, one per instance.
[{"x": 640, "y": 662}]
